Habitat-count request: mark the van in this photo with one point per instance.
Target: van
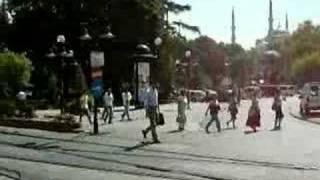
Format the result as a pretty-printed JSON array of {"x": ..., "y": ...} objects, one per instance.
[{"x": 310, "y": 98}]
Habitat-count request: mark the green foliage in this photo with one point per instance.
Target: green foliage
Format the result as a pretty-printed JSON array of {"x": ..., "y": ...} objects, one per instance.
[
  {"x": 194, "y": 29},
  {"x": 7, "y": 107},
  {"x": 177, "y": 8},
  {"x": 211, "y": 59},
  {"x": 15, "y": 70},
  {"x": 305, "y": 40},
  {"x": 305, "y": 43},
  {"x": 132, "y": 21},
  {"x": 307, "y": 63},
  {"x": 166, "y": 65}
]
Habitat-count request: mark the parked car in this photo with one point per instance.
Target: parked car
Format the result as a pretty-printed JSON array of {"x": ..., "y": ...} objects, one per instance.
[
  {"x": 209, "y": 93},
  {"x": 287, "y": 90},
  {"x": 197, "y": 95},
  {"x": 310, "y": 98},
  {"x": 224, "y": 95},
  {"x": 250, "y": 90}
]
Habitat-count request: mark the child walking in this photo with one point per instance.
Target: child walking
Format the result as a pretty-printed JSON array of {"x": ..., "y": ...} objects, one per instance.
[{"x": 233, "y": 109}]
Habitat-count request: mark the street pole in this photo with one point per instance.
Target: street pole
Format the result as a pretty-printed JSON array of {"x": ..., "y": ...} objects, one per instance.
[
  {"x": 95, "y": 118},
  {"x": 137, "y": 84},
  {"x": 62, "y": 86},
  {"x": 59, "y": 55},
  {"x": 97, "y": 61},
  {"x": 188, "y": 84}
]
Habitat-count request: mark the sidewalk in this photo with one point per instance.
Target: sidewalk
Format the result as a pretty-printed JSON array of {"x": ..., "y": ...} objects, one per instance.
[{"x": 46, "y": 120}]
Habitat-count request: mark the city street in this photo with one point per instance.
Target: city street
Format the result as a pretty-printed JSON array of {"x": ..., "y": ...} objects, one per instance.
[
  {"x": 62, "y": 58},
  {"x": 117, "y": 152}
]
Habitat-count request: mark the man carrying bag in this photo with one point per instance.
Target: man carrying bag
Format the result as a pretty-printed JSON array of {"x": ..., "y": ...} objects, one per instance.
[{"x": 155, "y": 118}]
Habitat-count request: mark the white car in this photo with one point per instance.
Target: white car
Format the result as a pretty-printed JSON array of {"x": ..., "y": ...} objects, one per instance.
[
  {"x": 287, "y": 90},
  {"x": 197, "y": 95},
  {"x": 310, "y": 98}
]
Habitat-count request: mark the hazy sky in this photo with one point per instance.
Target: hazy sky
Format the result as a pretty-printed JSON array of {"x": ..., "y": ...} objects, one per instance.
[{"x": 214, "y": 17}]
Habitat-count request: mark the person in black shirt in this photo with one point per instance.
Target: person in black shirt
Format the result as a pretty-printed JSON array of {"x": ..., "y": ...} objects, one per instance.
[
  {"x": 214, "y": 108},
  {"x": 233, "y": 109},
  {"x": 277, "y": 107}
]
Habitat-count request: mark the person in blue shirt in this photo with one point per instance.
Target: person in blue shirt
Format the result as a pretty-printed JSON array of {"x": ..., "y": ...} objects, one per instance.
[{"x": 152, "y": 107}]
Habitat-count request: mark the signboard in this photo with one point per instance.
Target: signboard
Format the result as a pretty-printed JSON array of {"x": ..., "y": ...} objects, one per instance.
[
  {"x": 96, "y": 73},
  {"x": 96, "y": 59},
  {"x": 97, "y": 88},
  {"x": 143, "y": 79},
  {"x": 143, "y": 72}
]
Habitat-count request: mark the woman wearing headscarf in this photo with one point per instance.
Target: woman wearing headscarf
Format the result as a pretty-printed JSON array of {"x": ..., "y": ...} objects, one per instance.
[
  {"x": 182, "y": 105},
  {"x": 253, "y": 120}
]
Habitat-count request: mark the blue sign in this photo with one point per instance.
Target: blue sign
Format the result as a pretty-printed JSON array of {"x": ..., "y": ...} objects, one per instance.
[{"x": 97, "y": 88}]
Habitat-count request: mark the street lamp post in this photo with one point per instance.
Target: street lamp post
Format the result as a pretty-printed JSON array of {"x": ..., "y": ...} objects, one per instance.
[
  {"x": 59, "y": 52},
  {"x": 157, "y": 42},
  {"x": 187, "y": 56},
  {"x": 96, "y": 62},
  {"x": 188, "y": 84}
]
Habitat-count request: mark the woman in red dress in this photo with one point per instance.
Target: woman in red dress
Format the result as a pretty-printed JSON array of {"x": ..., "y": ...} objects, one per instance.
[{"x": 253, "y": 120}]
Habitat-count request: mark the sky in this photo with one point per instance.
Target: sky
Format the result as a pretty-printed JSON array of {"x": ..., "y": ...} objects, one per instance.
[{"x": 214, "y": 17}]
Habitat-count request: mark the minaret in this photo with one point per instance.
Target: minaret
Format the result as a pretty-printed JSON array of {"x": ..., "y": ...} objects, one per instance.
[
  {"x": 287, "y": 23},
  {"x": 233, "y": 28},
  {"x": 270, "y": 19}
]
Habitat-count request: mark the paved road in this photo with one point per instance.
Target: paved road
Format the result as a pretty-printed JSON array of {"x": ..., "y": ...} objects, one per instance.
[{"x": 117, "y": 153}]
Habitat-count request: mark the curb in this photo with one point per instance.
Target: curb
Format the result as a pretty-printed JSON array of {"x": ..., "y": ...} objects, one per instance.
[
  {"x": 302, "y": 118},
  {"x": 41, "y": 125}
]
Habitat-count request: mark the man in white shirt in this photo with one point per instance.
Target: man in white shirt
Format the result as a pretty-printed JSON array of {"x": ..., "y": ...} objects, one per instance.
[
  {"x": 126, "y": 98},
  {"x": 108, "y": 106}
]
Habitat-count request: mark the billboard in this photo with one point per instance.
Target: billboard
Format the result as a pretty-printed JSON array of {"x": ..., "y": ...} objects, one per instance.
[
  {"x": 143, "y": 79},
  {"x": 96, "y": 59}
]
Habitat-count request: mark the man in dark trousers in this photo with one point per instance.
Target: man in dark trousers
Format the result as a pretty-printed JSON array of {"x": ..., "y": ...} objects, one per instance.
[
  {"x": 214, "y": 109},
  {"x": 277, "y": 107},
  {"x": 152, "y": 107}
]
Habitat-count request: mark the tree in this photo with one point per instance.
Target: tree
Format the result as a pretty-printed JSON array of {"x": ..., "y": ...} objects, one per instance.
[
  {"x": 305, "y": 47},
  {"x": 15, "y": 70},
  {"x": 307, "y": 68},
  {"x": 211, "y": 59},
  {"x": 38, "y": 22}
]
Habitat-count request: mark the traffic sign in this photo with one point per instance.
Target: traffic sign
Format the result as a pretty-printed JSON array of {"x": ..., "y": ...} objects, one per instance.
[
  {"x": 97, "y": 88},
  {"x": 96, "y": 73}
]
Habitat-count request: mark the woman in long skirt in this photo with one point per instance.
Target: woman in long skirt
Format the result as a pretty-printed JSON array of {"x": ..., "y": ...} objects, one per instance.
[{"x": 253, "y": 120}]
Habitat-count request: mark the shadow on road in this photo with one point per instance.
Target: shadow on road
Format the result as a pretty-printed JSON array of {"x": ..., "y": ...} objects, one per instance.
[
  {"x": 228, "y": 129},
  {"x": 174, "y": 131},
  {"x": 138, "y": 146},
  {"x": 250, "y": 132}
]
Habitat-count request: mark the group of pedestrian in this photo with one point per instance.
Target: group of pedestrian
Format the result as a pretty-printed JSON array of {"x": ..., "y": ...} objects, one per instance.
[
  {"x": 108, "y": 102},
  {"x": 254, "y": 115},
  {"x": 151, "y": 104}
]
